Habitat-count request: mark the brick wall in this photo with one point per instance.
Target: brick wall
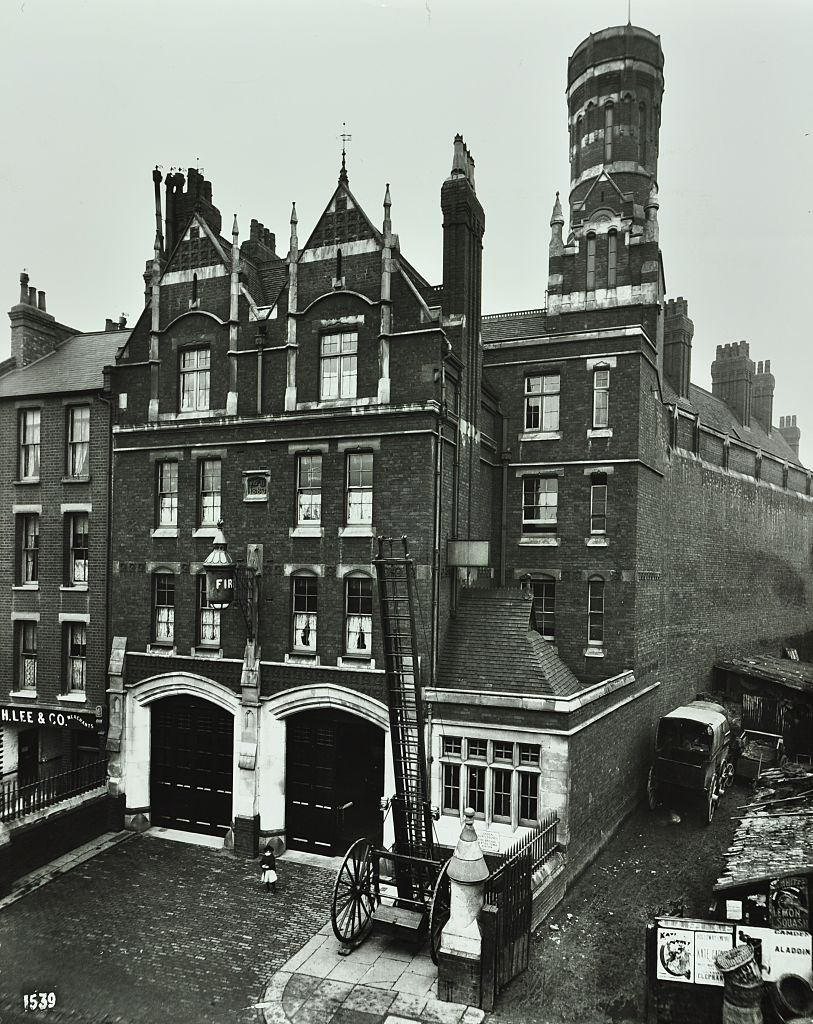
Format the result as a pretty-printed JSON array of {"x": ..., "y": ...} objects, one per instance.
[
  {"x": 605, "y": 776},
  {"x": 51, "y": 492},
  {"x": 736, "y": 558}
]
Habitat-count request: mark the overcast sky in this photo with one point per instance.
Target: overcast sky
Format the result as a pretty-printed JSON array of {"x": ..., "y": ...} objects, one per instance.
[{"x": 96, "y": 92}]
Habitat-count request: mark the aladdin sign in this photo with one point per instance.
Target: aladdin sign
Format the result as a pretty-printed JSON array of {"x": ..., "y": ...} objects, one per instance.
[{"x": 49, "y": 719}]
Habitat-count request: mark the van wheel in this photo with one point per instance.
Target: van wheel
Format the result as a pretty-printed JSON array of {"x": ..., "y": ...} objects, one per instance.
[
  {"x": 713, "y": 797},
  {"x": 652, "y": 789}
]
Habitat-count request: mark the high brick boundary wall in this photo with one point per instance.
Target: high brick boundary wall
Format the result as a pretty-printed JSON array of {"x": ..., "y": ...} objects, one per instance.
[
  {"x": 606, "y": 781},
  {"x": 736, "y": 570}
]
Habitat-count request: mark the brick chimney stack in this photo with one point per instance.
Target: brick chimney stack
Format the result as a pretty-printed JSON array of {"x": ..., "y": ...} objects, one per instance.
[
  {"x": 764, "y": 385},
  {"x": 732, "y": 377},
  {"x": 790, "y": 432},
  {"x": 678, "y": 331},
  {"x": 34, "y": 332}
]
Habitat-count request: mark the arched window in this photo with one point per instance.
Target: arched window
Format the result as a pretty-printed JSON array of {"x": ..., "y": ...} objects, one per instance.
[
  {"x": 608, "y": 133},
  {"x": 304, "y": 601},
  {"x": 591, "y": 263},
  {"x": 612, "y": 257},
  {"x": 642, "y": 133},
  {"x": 358, "y": 616}
]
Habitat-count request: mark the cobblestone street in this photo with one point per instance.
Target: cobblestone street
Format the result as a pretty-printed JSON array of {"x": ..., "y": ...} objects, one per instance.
[{"x": 150, "y": 928}]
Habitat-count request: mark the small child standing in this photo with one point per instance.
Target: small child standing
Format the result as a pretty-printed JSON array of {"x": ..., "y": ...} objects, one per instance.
[{"x": 268, "y": 866}]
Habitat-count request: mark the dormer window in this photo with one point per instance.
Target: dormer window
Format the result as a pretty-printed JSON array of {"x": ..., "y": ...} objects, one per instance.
[
  {"x": 591, "y": 263},
  {"x": 612, "y": 257},
  {"x": 608, "y": 133}
]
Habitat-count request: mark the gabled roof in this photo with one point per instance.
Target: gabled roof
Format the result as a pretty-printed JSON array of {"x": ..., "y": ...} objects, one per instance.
[
  {"x": 75, "y": 365},
  {"x": 369, "y": 229},
  {"x": 716, "y": 414},
  {"x": 491, "y": 645}
]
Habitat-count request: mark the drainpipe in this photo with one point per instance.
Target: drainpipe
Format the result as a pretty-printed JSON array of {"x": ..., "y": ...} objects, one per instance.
[{"x": 505, "y": 457}]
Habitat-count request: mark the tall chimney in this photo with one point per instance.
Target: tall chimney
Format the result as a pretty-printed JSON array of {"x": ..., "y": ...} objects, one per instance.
[
  {"x": 678, "y": 331},
  {"x": 764, "y": 384},
  {"x": 732, "y": 375},
  {"x": 34, "y": 332},
  {"x": 790, "y": 432}
]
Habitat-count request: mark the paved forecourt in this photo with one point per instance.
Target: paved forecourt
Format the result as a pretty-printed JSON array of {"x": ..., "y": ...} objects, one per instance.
[{"x": 149, "y": 929}]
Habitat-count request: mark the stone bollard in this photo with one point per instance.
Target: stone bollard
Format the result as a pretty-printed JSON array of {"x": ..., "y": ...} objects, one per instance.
[
  {"x": 742, "y": 985},
  {"x": 460, "y": 944}
]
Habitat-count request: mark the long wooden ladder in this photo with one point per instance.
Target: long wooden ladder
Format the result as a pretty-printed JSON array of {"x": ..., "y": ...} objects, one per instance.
[{"x": 412, "y": 815}]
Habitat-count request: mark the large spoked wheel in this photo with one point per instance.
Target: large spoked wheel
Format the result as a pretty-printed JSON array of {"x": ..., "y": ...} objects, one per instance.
[
  {"x": 727, "y": 776},
  {"x": 355, "y": 895},
  {"x": 439, "y": 911},
  {"x": 652, "y": 789},
  {"x": 712, "y": 797}
]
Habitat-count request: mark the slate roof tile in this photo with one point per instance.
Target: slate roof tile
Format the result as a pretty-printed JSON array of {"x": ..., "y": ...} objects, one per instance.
[
  {"x": 75, "y": 365},
  {"x": 491, "y": 645}
]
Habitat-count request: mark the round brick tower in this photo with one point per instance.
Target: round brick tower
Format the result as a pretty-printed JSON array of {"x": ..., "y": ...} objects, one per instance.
[{"x": 614, "y": 91}]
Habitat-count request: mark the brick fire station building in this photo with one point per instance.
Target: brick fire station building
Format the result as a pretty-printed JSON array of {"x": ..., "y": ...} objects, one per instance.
[{"x": 590, "y": 529}]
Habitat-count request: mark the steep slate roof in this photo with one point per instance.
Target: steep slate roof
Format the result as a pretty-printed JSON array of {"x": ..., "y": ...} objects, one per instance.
[
  {"x": 75, "y": 365},
  {"x": 716, "y": 414},
  {"x": 525, "y": 323},
  {"x": 491, "y": 646}
]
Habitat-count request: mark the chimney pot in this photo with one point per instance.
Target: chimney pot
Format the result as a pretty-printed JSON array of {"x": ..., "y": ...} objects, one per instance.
[
  {"x": 767, "y": 366},
  {"x": 41, "y": 301},
  {"x": 122, "y": 322},
  {"x": 24, "y": 288},
  {"x": 794, "y": 419},
  {"x": 32, "y": 296},
  {"x": 759, "y": 366}
]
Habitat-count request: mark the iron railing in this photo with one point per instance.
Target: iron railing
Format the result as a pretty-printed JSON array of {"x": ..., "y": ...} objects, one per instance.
[
  {"x": 16, "y": 801},
  {"x": 540, "y": 845}
]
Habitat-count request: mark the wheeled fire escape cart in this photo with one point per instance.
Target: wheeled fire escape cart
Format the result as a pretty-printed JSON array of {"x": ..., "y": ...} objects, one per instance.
[{"x": 420, "y": 896}]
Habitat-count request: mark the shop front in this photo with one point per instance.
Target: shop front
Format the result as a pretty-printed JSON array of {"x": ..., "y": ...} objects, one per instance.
[{"x": 39, "y": 742}]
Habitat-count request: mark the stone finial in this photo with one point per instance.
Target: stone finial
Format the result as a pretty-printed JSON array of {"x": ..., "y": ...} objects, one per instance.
[
  {"x": 460, "y": 163},
  {"x": 468, "y": 864},
  {"x": 557, "y": 217},
  {"x": 235, "y": 231},
  {"x": 294, "y": 243},
  {"x": 651, "y": 210},
  {"x": 387, "y": 228}
]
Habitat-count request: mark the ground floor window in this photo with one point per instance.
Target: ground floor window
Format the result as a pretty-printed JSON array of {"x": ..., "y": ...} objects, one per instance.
[{"x": 499, "y": 779}]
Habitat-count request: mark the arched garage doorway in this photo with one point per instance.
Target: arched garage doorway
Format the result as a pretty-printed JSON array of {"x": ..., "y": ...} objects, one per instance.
[
  {"x": 191, "y": 765},
  {"x": 334, "y": 781}
]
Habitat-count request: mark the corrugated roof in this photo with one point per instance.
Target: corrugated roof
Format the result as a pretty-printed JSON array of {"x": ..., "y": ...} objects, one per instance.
[
  {"x": 525, "y": 323},
  {"x": 491, "y": 646},
  {"x": 796, "y": 675},
  {"x": 716, "y": 414},
  {"x": 75, "y": 365}
]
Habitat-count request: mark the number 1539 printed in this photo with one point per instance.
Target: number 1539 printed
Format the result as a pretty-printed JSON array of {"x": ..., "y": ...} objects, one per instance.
[{"x": 39, "y": 1000}]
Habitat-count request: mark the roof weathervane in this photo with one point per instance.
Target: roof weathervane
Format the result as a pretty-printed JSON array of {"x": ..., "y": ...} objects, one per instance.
[{"x": 345, "y": 137}]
